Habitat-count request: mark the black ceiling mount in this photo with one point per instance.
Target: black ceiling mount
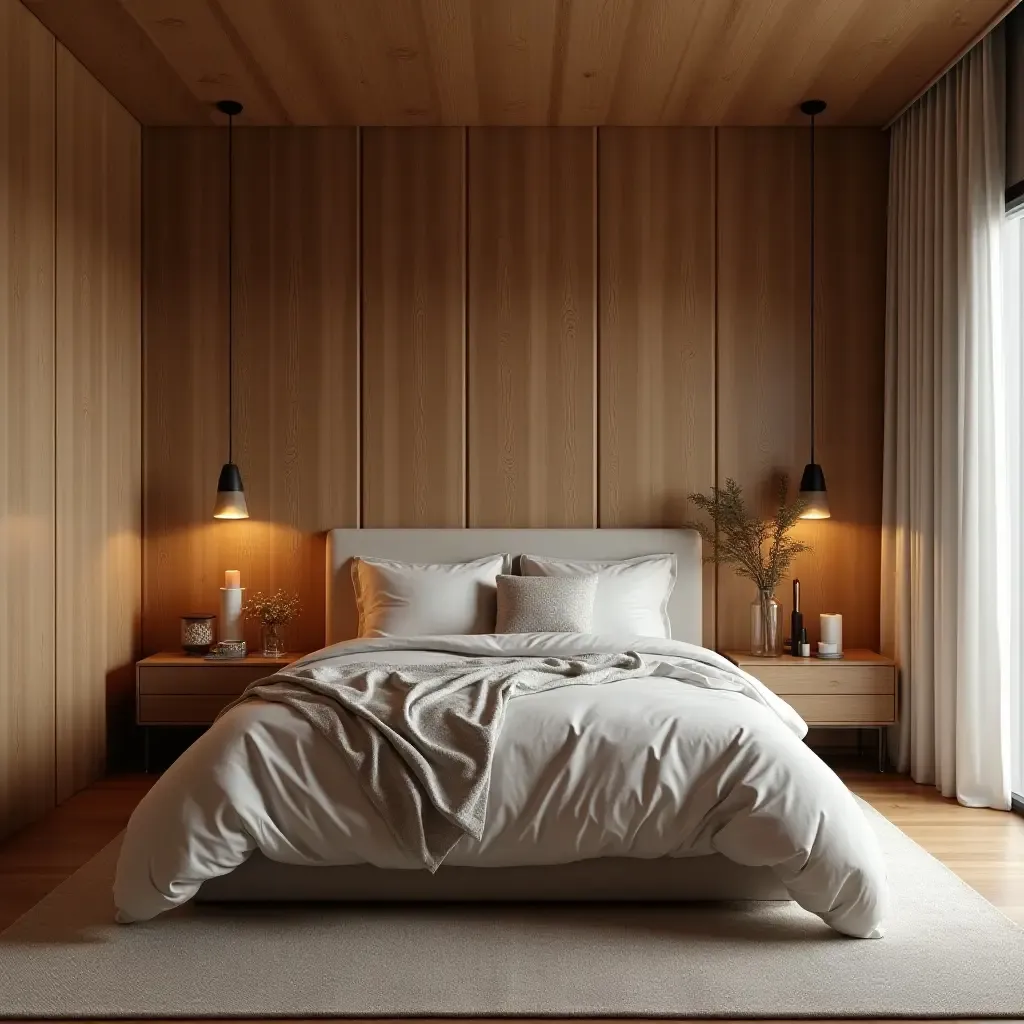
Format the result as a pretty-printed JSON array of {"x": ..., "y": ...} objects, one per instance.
[
  {"x": 812, "y": 108},
  {"x": 230, "y": 107}
]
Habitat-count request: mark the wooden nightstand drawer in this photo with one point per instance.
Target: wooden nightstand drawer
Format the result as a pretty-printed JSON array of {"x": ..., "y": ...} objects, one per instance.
[
  {"x": 858, "y": 690},
  {"x": 225, "y": 679},
  {"x": 172, "y": 689},
  {"x": 844, "y": 709},
  {"x": 182, "y": 709},
  {"x": 826, "y": 678}
]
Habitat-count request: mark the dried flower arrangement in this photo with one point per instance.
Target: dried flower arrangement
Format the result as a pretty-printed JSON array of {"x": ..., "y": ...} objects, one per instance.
[
  {"x": 756, "y": 548},
  {"x": 275, "y": 610}
]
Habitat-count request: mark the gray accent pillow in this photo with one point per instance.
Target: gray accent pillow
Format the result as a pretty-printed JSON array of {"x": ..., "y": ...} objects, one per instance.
[{"x": 546, "y": 604}]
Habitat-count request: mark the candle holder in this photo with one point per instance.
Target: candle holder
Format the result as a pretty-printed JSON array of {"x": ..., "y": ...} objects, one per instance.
[
  {"x": 227, "y": 650},
  {"x": 197, "y": 633}
]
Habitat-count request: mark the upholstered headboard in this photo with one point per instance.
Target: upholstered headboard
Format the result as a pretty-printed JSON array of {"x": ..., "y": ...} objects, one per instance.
[{"x": 461, "y": 545}]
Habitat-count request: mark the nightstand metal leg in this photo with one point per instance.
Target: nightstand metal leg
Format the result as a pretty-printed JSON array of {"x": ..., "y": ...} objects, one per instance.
[{"x": 883, "y": 748}]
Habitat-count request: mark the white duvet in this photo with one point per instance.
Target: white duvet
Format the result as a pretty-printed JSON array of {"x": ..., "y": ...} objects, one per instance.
[{"x": 676, "y": 764}]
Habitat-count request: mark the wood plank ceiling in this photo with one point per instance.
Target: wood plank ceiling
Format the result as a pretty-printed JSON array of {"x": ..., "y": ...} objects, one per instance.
[{"x": 515, "y": 62}]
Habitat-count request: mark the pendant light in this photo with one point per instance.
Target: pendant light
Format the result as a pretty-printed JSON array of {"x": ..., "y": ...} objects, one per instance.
[
  {"x": 230, "y": 503},
  {"x": 812, "y": 483}
]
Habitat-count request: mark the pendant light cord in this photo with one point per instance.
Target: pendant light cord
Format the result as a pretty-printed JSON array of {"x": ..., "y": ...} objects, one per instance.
[
  {"x": 231, "y": 321},
  {"x": 812, "y": 288}
]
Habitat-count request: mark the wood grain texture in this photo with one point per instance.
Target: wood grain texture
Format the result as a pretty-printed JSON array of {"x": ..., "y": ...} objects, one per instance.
[
  {"x": 763, "y": 394},
  {"x": 532, "y": 62},
  {"x": 296, "y": 394},
  {"x": 763, "y": 357},
  {"x": 657, "y": 328},
  {"x": 26, "y": 417},
  {"x": 414, "y": 332},
  {"x": 544, "y": 423},
  {"x": 99, "y": 420},
  {"x": 185, "y": 384},
  {"x": 532, "y": 344},
  {"x": 204, "y": 50},
  {"x": 850, "y": 370},
  {"x": 296, "y": 368},
  {"x": 115, "y": 48}
]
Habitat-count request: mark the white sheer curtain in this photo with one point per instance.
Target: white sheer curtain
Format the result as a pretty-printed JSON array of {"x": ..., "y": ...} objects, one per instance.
[
  {"x": 1010, "y": 385},
  {"x": 944, "y": 497}
]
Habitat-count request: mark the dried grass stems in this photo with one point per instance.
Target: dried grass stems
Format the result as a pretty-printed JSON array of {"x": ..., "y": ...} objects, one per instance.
[{"x": 755, "y": 547}]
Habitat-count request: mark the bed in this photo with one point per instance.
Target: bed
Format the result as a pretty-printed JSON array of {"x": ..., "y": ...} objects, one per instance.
[{"x": 675, "y": 777}]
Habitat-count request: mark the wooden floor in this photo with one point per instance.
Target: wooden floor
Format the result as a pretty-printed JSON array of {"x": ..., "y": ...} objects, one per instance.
[{"x": 985, "y": 848}]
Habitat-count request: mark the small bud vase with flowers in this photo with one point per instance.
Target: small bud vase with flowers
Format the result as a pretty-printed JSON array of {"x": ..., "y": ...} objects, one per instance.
[{"x": 273, "y": 612}]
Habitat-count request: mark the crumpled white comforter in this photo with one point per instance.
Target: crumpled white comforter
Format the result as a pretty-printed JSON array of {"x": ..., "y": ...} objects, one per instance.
[{"x": 697, "y": 758}]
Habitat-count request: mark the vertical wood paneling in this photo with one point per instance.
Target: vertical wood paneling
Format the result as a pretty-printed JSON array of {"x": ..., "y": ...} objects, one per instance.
[
  {"x": 99, "y": 420},
  {"x": 482, "y": 358},
  {"x": 26, "y": 418},
  {"x": 762, "y": 333},
  {"x": 845, "y": 569},
  {"x": 657, "y": 328},
  {"x": 532, "y": 344},
  {"x": 413, "y": 280},
  {"x": 185, "y": 377},
  {"x": 296, "y": 380},
  {"x": 296, "y": 395},
  {"x": 763, "y": 356}
]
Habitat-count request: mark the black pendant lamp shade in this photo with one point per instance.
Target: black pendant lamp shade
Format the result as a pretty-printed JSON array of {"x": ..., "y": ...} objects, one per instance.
[
  {"x": 812, "y": 483},
  {"x": 230, "y": 503}
]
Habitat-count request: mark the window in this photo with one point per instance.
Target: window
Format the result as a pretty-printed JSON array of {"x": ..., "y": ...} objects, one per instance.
[{"x": 1010, "y": 407}]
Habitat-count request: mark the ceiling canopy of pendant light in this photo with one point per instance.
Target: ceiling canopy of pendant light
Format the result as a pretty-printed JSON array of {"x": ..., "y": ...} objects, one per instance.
[
  {"x": 230, "y": 503},
  {"x": 812, "y": 483}
]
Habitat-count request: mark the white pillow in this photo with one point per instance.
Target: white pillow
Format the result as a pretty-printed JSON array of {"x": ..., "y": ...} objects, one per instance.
[
  {"x": 632, "y": 595},
  {"x": 410, "y": 599}
]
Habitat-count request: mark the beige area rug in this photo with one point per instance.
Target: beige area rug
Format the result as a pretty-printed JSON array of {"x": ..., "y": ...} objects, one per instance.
[{"x": 948, "y": 953}]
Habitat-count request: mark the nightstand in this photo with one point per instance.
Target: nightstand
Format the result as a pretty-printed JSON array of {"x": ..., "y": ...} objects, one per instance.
[
  {"x": 856, "y": 692},
  {"x": 175, "y": 689}
]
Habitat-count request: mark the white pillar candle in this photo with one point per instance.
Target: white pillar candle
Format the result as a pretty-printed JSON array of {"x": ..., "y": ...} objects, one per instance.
[
  {"x": 831, "y": 630},
  {"x": 231, "y": 627},
  {"x": 232, "y": 579}
]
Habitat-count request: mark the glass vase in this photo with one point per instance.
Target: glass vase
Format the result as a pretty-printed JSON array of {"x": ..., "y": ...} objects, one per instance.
[
  {"x": 272, "y": 639},
  {"x": 765, "y": 626}
]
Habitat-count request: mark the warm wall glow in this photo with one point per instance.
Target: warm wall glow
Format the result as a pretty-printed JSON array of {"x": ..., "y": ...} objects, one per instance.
[{"x": 269, "y": 556}]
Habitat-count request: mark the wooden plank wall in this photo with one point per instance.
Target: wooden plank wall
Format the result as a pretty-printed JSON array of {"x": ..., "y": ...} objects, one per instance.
[
  {"x": 528, "y": 327},
  {"x": 99, "y": 421},
  {"x": 27, "y": 502},
  {"x": 70, "y": 440},
  {"x": 656, "y": 432},
  {"x": 533, "y": 329},
  {"x": 414, "y": 312},
  {"x": 296, "y": 365}
]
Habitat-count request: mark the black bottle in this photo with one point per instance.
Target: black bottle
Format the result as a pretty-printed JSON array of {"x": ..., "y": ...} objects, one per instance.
[{"x": 796, "y": 622}]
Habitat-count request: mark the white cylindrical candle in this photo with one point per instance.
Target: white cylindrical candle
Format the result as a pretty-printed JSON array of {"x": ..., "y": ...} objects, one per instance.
[
  {"x": 231, "y": 599},
  {"x": 232, "y": 579},
  {"x": 831, "y": 627}
]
